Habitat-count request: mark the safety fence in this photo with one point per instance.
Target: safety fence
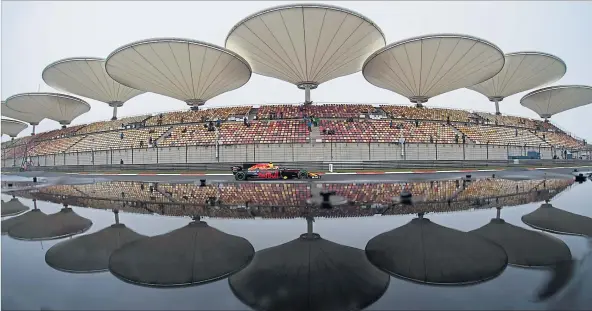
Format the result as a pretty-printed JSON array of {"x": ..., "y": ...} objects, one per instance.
[{"x": 290, "y": 153}]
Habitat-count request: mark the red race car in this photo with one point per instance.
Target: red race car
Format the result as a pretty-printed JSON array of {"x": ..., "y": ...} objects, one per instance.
[{"x": 269, "y": 171}]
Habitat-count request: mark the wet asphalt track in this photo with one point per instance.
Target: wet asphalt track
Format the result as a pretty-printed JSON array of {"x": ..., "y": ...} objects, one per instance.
[{"x": 517, "y": 174}]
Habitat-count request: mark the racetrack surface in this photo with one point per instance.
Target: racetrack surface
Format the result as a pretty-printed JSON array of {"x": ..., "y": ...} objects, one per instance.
[{"x": 340, "y": 177}]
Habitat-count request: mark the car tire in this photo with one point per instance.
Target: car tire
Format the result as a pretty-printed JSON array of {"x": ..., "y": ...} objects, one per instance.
[{"x": 240, "y": 175}]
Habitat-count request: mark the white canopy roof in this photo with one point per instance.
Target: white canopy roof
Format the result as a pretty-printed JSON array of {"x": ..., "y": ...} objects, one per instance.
[
  {"x": 13, "y": 127},
  {"x": 422, "y": 67},
  {"x": 29, "y": 118},
  {"x": 555, "y": 99},
  {"x": 86, "y": 76},
  {"x": 522, "y": 71},
  {"x": 188, "y": 70},
  {"x": 58, "y": 107},
  {"x": 305, "y": 43}
]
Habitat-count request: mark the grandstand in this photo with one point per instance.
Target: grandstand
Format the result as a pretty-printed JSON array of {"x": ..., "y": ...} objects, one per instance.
[
  {"x": 307, "y": 131},
  {"x": 287, "y": 125}
]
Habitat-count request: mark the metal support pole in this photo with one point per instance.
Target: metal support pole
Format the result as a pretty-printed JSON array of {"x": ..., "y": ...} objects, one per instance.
[
  {"x": 114, "y": 113},
  {"x": 306, "y": 94},
  {"x": 497, "y": 111}
]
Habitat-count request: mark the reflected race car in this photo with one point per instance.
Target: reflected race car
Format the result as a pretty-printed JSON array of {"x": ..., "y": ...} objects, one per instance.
[{"x": 269, "y": 171}]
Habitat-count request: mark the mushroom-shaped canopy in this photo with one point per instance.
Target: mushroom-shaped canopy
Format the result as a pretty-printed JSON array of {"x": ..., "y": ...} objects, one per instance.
[
  {"x": 194, "y": 254},
  {"x": 58, "y": 107},
  {"x": 309, "y": 273},
  {"x": 61, "y": 224},
  {"x": 91, "y": 252},
  {"x": 422, "y": 67},
  {"x": 426, "y": 252},
  {"x": 26, "y": 117},
  {"x": 552, "y": 100},
  {"x": 86, "y": 76},
  {"x": 30, "y": 217},
  {"x": 305, "y": 43},
  {"x": 13, "y": 207},
  {"x": 13, "y": 127},
  {"x": 522, "y": 71},
  {"x": 525, "y": 248},
  {"x": 188, "y": 70},
  {"x": 556, "y": 220}
]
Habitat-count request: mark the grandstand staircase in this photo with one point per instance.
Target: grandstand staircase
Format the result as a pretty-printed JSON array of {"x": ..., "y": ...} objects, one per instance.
[
  {"x": 460, "y": 134},
  {"x": 160, "y": 139},
  {"x": 252, "y": 113},
  {"x": 315, "y": 134}
]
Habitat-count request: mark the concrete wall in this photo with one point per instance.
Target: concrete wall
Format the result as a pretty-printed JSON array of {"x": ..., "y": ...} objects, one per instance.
[{"x": 286, "y": 153}]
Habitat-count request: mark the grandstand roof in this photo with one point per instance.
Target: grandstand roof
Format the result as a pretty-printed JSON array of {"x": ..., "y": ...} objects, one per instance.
[
  {"x": 188, "y": 70},
  {"x": 58, "y": 107},
  {"x": 422, "y": 67},
  {"x": 86, "y": 76},
  {"x": 91, "y": 252},
  {"x": 26, "y": 117},
  {"x": 298, "y": 268},
  {"x": 194, "y": 254},
  {"x": 427, "y": 252},
  {"x": 305, "y": 43},
  {"x": 552, "y": 100},
  {"x": 13, "y": 127},
  {"x": 522, "y": 71}
]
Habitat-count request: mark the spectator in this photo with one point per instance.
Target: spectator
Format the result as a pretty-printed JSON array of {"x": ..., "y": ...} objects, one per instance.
[
  {"x": 391, "y": 124},
  {"x": 431, "y": 139},
  {"x": 416, "y": 123},
  {"x": 516, "y": 132},
  {"x": 121, "y": 161},
  {"x": 463, "y": 139},
  {"x": 448, "y": 120},
  {"x": 121, "y": 135},
  {"x": 218, "y": 123},
  {"x": 456, "y": 138}
]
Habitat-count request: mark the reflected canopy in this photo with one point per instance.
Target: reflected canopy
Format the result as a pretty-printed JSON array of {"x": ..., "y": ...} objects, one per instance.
[
  {"x": 525, "y": 248},
  {"x": 194, "y": 254},
  {"x": 13, "y": 207},
  {"x": 61, "y": 224},
  {"x": 309, "y": 273},
  {"x": 90, "y": 253},
  {"x": 556, "y": 220},
  {"x": 426, "y": 252}
]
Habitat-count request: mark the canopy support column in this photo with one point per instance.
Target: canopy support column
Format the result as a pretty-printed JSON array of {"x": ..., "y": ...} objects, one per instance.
[
  {"x": 114, "y": 113},
  {"x": 497, "y": 111},
  {"x": 116, "y": 212},
  {"x": 33, "y": 133},
  {"x": 115, "y": 105},
  {"x": 307, "y": 86}
]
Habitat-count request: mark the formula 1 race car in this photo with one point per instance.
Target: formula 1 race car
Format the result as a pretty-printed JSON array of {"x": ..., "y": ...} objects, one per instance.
[{"x": 269, "y": 171}]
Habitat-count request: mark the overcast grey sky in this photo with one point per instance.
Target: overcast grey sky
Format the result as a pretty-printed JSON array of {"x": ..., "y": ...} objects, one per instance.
[{"x": 35, "y": 34}]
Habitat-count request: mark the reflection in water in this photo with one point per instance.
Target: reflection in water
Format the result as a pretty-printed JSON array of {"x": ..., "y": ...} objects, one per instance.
[
  {"x": 556, "y": 220},
  {"x": 426, "y": 252},
  {"x": 33, "y": 216},
  {"x": 91, "y": 252},
  {"x": 61, "y": 224},
  {"x": 525, "y": 248},
  {"x": 309, "y": 273},
  {"x": 13, "y": 207},
  {"x": 194, "y": 254}
]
